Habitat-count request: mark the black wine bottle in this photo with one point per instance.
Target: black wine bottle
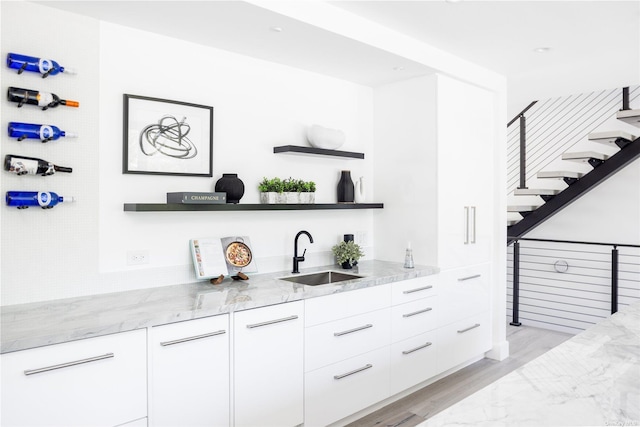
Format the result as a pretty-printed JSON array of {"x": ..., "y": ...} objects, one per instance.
[
  {"x": 21, "y": 165},
  {"x": 41, "y": 99}
]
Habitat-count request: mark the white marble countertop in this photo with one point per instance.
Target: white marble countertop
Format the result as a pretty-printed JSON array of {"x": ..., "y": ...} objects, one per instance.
[
  {"x": 31, "y": 325},
  {"x": 593, "y": 379}
]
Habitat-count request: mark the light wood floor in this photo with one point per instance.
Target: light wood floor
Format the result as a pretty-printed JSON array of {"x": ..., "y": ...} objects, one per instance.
[{"x": 525, "y": 344}]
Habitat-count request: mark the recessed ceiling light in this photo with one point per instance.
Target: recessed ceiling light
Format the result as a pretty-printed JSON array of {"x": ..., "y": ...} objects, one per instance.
[
  {"x": 398, "y": 68},
  {"x": 542, "y": 49},
  {"x": 453, "y": 1},
  {"x": 276, "y": 29}
]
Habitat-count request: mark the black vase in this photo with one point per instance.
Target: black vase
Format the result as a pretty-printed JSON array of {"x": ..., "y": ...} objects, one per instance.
[
  {"x": 345, "y": 188},
  {"x": 232, "y": 185}
]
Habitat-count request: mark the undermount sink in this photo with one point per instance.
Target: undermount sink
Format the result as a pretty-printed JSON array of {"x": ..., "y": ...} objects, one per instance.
[{"x": 322, "y": 278}]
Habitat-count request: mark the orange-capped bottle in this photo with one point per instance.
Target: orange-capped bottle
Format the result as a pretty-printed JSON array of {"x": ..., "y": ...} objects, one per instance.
[{"x": 41, "y": 99}]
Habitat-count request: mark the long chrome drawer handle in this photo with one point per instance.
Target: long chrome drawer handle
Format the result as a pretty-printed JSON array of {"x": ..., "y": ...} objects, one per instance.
[
  {"x": 469, "y": 328},
  {"x": 367, "y": 326},
  {"x": 355, "y": 371},
  {"x": 475, "y": 276},
  {"x": 196, "y": 337},
  {"x": 271, "y": 322},
  {"x": 417, "y": 312},
  {"x": 68, "y": 364},
  {"x": 417, "y": 348},
  {"x": 424, "y": 288}
]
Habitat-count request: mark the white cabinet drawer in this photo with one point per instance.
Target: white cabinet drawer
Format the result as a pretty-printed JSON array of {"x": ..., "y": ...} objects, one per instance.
[
  {"x": 339, "y": 390},
  {"x": 463, "y": 292},
  {"x": 179, "y": 353},
  {"x": 464, "y": 340},
  {"x": 93, "y": 382},
  {"x": 268, "y": 366},
  {"x": 413, "y": 289},
  {"x": 334, "y": 341},
  {"x": 345, "y": 304},
  {"x": 413, "y": 318},
  {"x": 413, "y": 361}
]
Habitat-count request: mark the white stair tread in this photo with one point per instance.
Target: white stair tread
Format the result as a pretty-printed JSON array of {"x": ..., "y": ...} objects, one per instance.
[
  {"x": 584, "y": 156},
  {"x": 560, "y": 174},
  {"x": 630, "y": 116},
  {"x": 512, "y": 222},
  {"x": 534, "y": 192},
  {"x": 522, "y": 208},
  {"x": 609, "y": 137}
]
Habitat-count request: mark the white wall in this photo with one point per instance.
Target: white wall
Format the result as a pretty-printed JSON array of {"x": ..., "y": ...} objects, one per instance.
[{"x": 81, "y": 249}]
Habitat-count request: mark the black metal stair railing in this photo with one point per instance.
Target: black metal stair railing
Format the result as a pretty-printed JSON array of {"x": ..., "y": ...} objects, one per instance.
[
  {"x": 591, "y": 275},
  {"x": 551, "y": 127},
  {"x": 577, "y": 187}
]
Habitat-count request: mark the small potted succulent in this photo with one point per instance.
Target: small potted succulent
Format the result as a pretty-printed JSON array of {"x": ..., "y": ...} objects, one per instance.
[
  {"x": 347, "y": 253},
  {"x": 289, "y": 190}
]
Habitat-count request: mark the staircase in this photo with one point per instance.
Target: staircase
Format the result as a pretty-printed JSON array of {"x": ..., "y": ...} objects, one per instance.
[{"x": 523, "y": 217}]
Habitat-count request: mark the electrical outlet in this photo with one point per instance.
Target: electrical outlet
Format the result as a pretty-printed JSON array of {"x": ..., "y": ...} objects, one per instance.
[
  {"x": 361, "y": 238},
  {"x": 138, "y": 257}
]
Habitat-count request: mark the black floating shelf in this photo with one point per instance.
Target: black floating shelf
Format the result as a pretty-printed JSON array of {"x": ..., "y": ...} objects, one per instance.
[
  {"x": 319, "y": 151},
  {"x": 173, "y": 207}
]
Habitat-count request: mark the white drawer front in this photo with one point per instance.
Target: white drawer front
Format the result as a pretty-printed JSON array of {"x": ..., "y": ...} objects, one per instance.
[
  {"x": 334, "y": 341},
  {"x": 464, "y": 340},
  {"x": 413, "y": 361},
  {"x": 463, "y": 292},
  {"x": 413, "y": 318},
  {"x": 179, "y": 353},
  {"x": 345, "y": 304},
  {"x": 268, "y": 366},
  {"x": 413, "y": 289},
  {"x": 93, "y": 382},
  {"x": 341, "y": 389}
]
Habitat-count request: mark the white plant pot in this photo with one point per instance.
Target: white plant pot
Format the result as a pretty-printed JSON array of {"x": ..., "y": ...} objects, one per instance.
[{"x": 273, "y": 198}]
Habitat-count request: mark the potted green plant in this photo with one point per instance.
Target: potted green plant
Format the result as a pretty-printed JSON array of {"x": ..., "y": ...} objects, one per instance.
[
  {"x": 289, "y": 190},
  {"x": 347, "y": 253}
]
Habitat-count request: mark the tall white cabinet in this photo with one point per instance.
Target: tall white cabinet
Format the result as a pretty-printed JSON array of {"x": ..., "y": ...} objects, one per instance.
[
  {"x": 435, "y": 162},
  {"x": 465, "y": 143}
]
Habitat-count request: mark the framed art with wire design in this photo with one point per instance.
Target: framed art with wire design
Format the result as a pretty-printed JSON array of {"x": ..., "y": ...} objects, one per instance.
[{"x": 163, "y": 137}]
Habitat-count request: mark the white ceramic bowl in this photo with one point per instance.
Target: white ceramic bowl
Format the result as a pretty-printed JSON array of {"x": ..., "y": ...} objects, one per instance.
[{"x": 321, "y": 137}]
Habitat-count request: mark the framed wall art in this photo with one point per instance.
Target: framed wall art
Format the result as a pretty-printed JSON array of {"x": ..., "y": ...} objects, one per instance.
[{"x": 163, "y": 137}]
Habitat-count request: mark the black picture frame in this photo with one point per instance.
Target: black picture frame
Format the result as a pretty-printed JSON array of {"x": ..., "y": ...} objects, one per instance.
[{"x": 165, "y": 137}]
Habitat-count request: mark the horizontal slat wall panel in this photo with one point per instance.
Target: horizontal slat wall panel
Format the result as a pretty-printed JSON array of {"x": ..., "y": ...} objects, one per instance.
[
  {"x": 570, "y": 301},
  {"x": 555, "y": 125}
]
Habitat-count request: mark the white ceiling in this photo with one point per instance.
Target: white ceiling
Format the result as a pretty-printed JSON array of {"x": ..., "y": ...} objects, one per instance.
[{"x": 594, "y": 44}]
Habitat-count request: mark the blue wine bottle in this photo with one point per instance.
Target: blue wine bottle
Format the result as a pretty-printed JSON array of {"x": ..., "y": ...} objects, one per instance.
[
  {"x": 44, "y": 199},
  {"x": 46, "y": 67},
  {"x": 44, "y": 133}
]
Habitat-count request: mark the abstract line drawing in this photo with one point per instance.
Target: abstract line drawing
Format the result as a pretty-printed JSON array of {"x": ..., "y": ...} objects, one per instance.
[
  {"x": 165, "y": 137},
  {"x": 168, "y": 137}
]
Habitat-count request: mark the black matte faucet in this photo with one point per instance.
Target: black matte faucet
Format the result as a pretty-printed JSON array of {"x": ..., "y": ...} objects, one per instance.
[{"x": 298, "y": 259}]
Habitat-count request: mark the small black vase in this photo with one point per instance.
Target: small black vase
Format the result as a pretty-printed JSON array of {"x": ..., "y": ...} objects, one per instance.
[
  {"x": 345, "y": 188},
  {"x": 232, "y": 185}
]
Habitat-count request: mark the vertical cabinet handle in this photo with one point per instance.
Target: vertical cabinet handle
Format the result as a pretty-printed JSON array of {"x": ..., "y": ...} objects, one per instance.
[
  {"x": 466, "y": 225},
  {"x": 271, "y": 322},
  {"x": 473, "y": 224},
  {"x": 68, "y": 364}
]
